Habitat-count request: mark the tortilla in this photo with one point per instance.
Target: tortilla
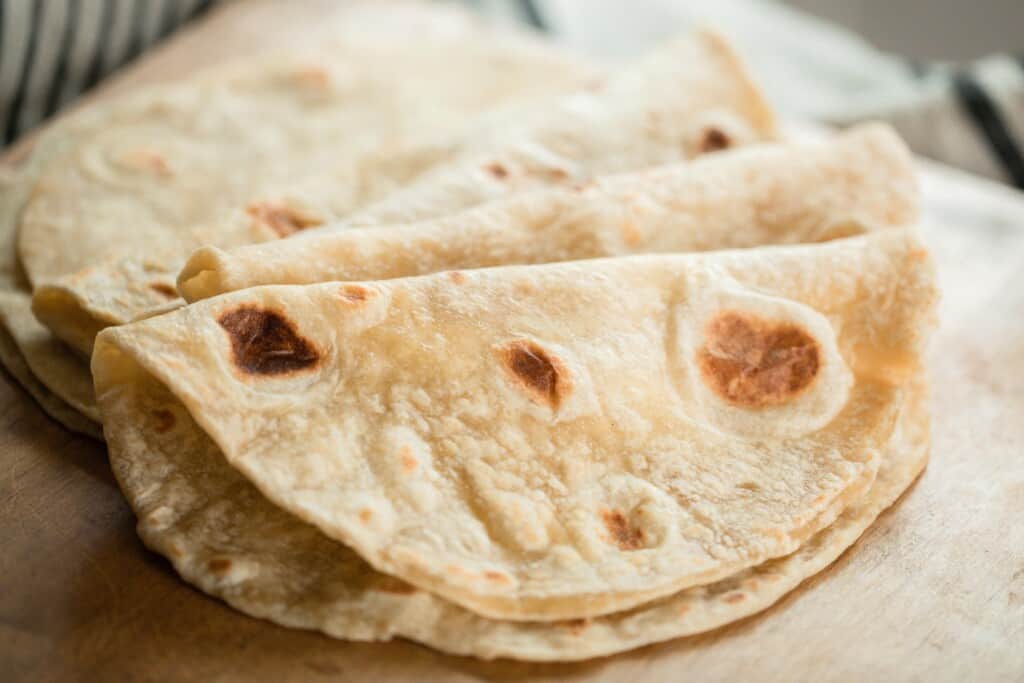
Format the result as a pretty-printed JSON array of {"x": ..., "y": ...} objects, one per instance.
[
  {"x": 629, "y": 121},
  {"x": 864, "y": 179},
  {"x": 558, "y": 441},
  {"x": 28, "y": 351},
  {"x": 128, "y": 176},
  {"x": 230, "y": 541}
]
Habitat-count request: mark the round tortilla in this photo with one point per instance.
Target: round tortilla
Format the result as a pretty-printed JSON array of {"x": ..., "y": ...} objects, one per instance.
[{"x": 224, "y": 537}]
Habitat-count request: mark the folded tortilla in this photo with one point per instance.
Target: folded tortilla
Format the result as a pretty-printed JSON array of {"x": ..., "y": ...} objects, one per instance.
[
  {"x": 558, "y": 441},
  {"x": 139, "y": 174},
  {"x": 862, "y": 179},
  {"x": 628, "y": 121}
]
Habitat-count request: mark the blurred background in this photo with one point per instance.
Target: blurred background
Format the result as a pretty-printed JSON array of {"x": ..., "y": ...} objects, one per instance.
[{"x": 948, "y": 74}]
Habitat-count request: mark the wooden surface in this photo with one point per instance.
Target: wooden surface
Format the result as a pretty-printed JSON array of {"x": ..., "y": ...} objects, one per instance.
[{"x": 934, "y": 591}]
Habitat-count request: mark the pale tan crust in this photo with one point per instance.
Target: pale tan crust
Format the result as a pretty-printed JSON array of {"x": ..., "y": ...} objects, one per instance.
[
  {"x": 616, "y": 479},
  {"x": 624, "y": 122}
]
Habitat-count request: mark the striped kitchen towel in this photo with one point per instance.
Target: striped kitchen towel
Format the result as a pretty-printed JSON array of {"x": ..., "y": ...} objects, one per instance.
[{"x": 53, "y": 50}]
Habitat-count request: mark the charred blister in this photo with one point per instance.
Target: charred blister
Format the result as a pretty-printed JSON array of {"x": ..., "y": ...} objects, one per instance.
[
  {"x": 497, "y": 169},
  {"x": 752, "y": 362},
  {"x": 542, "y": 375},
  {"x": 265, "y": 342},
  {"x": 620, "y": 532},
  {"x": 713, "y": 139}
]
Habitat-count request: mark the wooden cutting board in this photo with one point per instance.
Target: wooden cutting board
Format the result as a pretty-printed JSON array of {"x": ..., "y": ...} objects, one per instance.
[{"x": 934, "y": 591}]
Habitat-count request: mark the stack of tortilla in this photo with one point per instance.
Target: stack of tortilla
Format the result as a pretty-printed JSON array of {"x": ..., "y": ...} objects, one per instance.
[{"x": 464, "y": 340}]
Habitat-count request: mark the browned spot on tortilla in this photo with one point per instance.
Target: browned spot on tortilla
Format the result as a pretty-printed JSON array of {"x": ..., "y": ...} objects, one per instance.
[
  {"x": 459, "y": 570},
  {"x": 620, "y": 531},
  {"x": 753, "y": 363},
  {"x": 630, "y": 233},
  {"x": 542, "y": 375},
  {"x": 558, "y": 175},
  {"x": 219, "y": 565},
  {"x": 496, "y": 577},
  {"x": 354, "y": 294},
  {"x": 164, "y": 420},
  {"x": 682, "y": 610},
  {"x": 312, "y": 76},
  {"x": 576, "y": 626},
  {"x": 365, "y": 515},
  {"x": 733, "y": 598},
  {"x": 457, "y": 276},
  {"x": 282, "y": 219},
  {"x": 714, "y": 140},
  {"x": 497, "y": 170},
  {"x": 264, "y": 342},
  {"x": 409, "y": 461},
  {"x": 525, "y": 287},
  {"x": 389, "y": 584},
  {"x": 917, "y": 255},
  {"x": 164, "y": 290},
  {"x": 143, "y": 159}
]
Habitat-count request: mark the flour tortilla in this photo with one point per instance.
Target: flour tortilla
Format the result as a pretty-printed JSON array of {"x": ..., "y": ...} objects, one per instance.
[
  {"x": 629, "y": 121},
  {"x": 108, "y": 179},
  {"x": 560, "y": 441},
  {"x": 223, "y": 536},
  {"x": 863, "y": 179},
  {"x": 35, "y": 359}
]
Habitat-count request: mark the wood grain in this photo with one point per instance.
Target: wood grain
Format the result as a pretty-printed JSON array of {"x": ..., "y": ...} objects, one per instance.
[{"x": 933, "y": 592}]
